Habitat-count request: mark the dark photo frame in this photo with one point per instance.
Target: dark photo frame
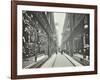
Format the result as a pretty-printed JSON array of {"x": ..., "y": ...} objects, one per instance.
[{"x": 34, "y": 28}]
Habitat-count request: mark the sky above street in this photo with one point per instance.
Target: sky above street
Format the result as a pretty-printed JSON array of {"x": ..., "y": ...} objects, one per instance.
[{"x": 59, "y": 23}]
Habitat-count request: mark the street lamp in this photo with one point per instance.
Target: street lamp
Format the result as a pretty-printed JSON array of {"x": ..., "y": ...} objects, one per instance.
[
  {"x": 86, "y": 26},
  {"x": 84, "y": 42}
]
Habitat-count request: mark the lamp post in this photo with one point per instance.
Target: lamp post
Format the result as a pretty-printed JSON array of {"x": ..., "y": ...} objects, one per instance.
[
  {"x": 39, "y": 47},
  {"x": 84, "y": 41}
]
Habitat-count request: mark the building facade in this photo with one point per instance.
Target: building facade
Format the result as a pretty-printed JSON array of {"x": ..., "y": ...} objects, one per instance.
[
  {"x": 75, "y": 36},
  {"x": 38, "y": 34}
]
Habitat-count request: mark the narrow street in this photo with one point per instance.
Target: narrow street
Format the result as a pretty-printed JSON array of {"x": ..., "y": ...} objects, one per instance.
[
  {"x": 53, "y": 39},
  {"x": 60, "y": 60}
]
